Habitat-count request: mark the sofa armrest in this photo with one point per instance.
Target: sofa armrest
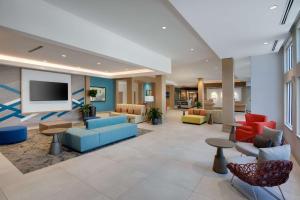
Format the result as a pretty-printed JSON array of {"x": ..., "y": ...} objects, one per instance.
[{"x": 258, "y": 126}]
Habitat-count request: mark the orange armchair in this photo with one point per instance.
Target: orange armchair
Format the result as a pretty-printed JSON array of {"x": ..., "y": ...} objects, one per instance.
[{"x": 253, "y": 126}]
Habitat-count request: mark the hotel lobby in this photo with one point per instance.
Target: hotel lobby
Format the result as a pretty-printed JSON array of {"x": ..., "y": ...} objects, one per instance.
[{"x": 149, "y": 100}]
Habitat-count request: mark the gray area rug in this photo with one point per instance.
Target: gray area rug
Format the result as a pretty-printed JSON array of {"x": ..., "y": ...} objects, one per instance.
[{"x": 32, "y": 154}]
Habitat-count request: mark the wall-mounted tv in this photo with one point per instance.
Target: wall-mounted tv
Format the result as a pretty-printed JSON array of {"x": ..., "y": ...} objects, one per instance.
[{"x": 48, "y": 91}]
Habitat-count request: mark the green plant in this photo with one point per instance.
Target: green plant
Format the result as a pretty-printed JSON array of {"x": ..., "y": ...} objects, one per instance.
[
  {"x": 198, "y": 104},
  {"x": 85, "y": 109},
  {"x": 93, "y": 93},
  {"x": 154, "y": 113}
]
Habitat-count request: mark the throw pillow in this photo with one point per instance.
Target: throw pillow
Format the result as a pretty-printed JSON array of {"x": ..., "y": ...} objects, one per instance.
[
  {"x": 274, "y": 135},
  {"x": 137, "y": 111},
  {"x": 118, "y": 109},
  {"x": 275, "y": 153},
  {"x": 203, "y": 112},
  {"x": 190, "y": 111},
  {"x": 130, "y": 110},
  {"x": 124, "y": 109},
  {"x": 261, "y": 142},
  {"x": 196, "y": 112}
]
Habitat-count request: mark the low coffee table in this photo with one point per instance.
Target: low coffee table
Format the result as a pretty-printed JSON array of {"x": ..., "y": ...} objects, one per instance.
[
  {"x": 55, "y": 147},
  {"x": 220, "y": 161},
  {"x": 232, "y": 134}
]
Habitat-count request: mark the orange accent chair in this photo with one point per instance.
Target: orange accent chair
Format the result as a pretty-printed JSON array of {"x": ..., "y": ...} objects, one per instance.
[{"x": 253, "y": 126}]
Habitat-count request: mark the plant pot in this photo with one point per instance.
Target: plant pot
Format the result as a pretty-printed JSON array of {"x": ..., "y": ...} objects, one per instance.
[
  {"x": 93, "y": 111},
  {"x": 155, "y": 121},
  {"x": 84, "y": 116}
]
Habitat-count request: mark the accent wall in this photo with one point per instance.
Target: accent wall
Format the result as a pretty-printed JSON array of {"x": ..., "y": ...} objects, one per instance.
[
  {"x": 10, "y": 100},
  {"x": 110, "y": 85}
]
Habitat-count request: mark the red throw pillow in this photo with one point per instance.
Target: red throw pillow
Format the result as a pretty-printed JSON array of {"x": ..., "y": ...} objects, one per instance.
[
  {"x": 203, "y": 112},
  {"x": 196, "y": 112},
  {"x": 191, "y": 111}
]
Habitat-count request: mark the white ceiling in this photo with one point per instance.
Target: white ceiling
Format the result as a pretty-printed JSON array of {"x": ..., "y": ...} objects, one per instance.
[
  {"x": 141, "y": 21},
  {"x": 17, "y": 44},
  {"x": 237, "y": 28}
]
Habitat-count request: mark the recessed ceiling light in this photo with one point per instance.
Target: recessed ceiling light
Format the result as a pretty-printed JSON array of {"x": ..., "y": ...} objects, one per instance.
[
  {"x": 191, "y": 49},
  {"x": 98, "y": 63},
  {"x": 64, "y": 55},
  {"x": 273, "y": 7},
  {"x": 164, "y": 27},
  {"x": 265, "y": 43},
  {"x": 206, "y": 60}
]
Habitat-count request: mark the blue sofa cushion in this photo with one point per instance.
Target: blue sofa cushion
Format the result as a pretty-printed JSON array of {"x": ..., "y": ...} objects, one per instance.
[
  {"x": 103, "y": 122},
  {"x": 116, "y": 132},
  {"x": 81, "y": 139},
  {"x": 13, "y": 134}
]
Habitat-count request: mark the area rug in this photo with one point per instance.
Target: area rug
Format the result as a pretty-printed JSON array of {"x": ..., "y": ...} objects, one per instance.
[{"x": 33, "y": 154}]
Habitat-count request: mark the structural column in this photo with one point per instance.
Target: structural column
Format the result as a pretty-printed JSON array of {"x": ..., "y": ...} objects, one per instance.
[
  {"x": 228, "y": 92},
  {"x": 87, "y": 84},
  {"x": 160, "y": 93},
  {"x": 171, "y": 99},
  {"x": 130, "y": 91},
  {"x": 201, "y": 91}
]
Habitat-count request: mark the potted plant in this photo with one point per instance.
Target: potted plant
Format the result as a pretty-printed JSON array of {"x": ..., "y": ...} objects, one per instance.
[
  {"x": 93, "y": 93},
  {"x": 198, "y": 104},
  {"x": 85, "y": 110},
  {"x": 154, "y": 115}
]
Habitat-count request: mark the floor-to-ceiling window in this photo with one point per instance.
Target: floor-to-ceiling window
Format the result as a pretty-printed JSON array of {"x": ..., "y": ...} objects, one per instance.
[
  {"x": 288, "y": 104},
  {"x": 288, "y": 56}
]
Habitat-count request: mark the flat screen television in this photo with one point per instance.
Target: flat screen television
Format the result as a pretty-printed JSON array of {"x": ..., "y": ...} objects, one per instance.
[{"x": 48, "y": 91}]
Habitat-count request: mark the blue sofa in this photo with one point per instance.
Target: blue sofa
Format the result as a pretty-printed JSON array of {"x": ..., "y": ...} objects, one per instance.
[{"x": 99, "y": 132}]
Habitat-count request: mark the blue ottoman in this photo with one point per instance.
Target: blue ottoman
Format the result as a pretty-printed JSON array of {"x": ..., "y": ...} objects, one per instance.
[{"x": 13, "y": 134}]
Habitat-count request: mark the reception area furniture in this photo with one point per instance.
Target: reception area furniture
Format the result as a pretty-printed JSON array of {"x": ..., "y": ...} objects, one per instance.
[
  {"x": 233, "y": 126},
  {"x": 195, "y": 116},
  {"x": 216, "y": 115},
  {"x": 54, "y": 124},
  {"x": 99, "y": 132},
  {"x": 55, "y": 147},
  {"x": 252, "y": 126},
  {"x": 220, "y": 161},
  {"x": 249, "y": 149},
  {"x": 209, "y": 104},
  {"x": 239, "y": 106},
  {"x": 134, "y": 112},
  {"x": 13, "y": 134}
]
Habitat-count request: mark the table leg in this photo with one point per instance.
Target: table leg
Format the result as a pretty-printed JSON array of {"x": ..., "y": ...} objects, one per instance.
[
  {"x": 220, "y": 162},
  {"x": 232, "y": 134},
  {"x": 55, "y": 147}
]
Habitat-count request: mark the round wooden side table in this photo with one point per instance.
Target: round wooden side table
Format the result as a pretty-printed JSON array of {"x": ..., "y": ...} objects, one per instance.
[
  {"x": 220, "y": 161},
  {"x": 55, "y": 147}
]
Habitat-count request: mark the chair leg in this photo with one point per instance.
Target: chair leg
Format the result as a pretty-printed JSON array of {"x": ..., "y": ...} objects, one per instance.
[
  {"x": 281, "y": 192},
  {"x": 252, "y": 188},
  {"x": 231, "y": 181}
]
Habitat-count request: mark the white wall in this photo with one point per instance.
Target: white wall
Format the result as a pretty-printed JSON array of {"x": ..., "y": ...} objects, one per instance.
[
  {"x": 217, "y": 96},
  {"x": 44, "y": 20},
  {"x": 267, "y": 86}
]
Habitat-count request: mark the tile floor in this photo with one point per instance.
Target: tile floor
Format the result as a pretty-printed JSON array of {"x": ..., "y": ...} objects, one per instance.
[{"x": 172, "y": 162}]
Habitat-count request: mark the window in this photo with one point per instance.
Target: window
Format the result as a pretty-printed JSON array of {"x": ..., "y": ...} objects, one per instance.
[
  {"x": 298, "y": 107},
  {"x": 289, "y": 56},
  {"x": 288, "y": 104}
]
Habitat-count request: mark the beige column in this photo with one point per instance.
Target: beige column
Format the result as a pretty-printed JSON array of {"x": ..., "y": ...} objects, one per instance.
[
  {"x": 129, "y": 90},
  {"x": 87, "y": 84},
  {"x": 171, "y": 99},
  {"x": 160, "y": 93},
  {"x": 228, "y": 92},
  {"x": 141, "y": 93},
  {"x": 201, "y": 90}
]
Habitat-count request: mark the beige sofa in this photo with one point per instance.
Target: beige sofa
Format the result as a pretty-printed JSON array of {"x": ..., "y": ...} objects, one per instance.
[
  {"x": 239, "y": 106},
  {"x": 216, "y": 115},
  {"x": 209, "y": 104},
  {"x": 134, "y": 112}
]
